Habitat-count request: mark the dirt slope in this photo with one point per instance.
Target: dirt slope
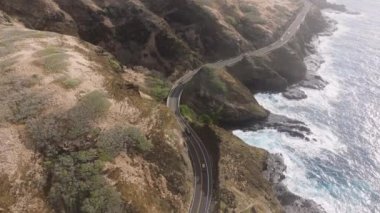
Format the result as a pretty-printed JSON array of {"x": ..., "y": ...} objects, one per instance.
[{"x": 51, "y": 77}]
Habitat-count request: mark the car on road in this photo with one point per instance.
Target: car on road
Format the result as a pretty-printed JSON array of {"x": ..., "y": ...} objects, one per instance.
[{"x": 203, "y": 166}]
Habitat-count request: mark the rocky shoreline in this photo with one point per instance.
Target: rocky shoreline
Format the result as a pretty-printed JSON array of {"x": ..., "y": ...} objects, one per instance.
[
  {"x": 290, "y": 201},
  {"x": 275, "y": 166},
  {"x": 266, "y": 74},
  {"x": 312, "y": 80}
]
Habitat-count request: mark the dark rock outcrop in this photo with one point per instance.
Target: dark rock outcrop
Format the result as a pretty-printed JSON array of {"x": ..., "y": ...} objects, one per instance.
[
  {"x": 290, "y": 201},
  {"x": 294, "y": 94},
  {"x": 311, "y": 82},
  {"x": 324, "y": 4},
  {"x": 283, "y": 124}
]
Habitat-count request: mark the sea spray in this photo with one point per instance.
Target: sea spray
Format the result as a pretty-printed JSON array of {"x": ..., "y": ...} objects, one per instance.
[{"x": 339, "y": 167}]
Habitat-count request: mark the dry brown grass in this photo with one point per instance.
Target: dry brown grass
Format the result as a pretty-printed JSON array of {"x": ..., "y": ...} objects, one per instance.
[
  {"x": 7, "y": 199},
  {"x": 67, "y": 60},
  {"x": 142, "y": 201}
]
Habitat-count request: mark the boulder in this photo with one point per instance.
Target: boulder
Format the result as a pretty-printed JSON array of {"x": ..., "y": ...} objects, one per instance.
[{"x": 294, "y": 94}]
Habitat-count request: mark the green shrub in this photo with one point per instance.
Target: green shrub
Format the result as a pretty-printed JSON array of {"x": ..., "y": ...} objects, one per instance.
[
  {"x": 112, "y": 141},
  {"x": 55, "y": 63},
  {"x": 231, "y": 20},
  {"x": 254, "y": 19},
  {"x": 139, "y": 139},
  {"x": 103, "y": 199},
  {"x": 247, "y": 8},
  {"x": 26, "y": 106},
  {"x": 49, "y": 51},
  {"x": 93, "y": 104},
  {"x": 188, "y": 113},
  {"x": 252, "y": 14},
  {"x": 89, "y": 108},
  {"x": 69, "y": 83},
  {"x": 159, "y": 89},
  {"x": 115, "y": 65},
  {"x": 78, "y": 186},
  {"x": 216, "y": 84},
  {"x": 75, "y": 181},
  {"x": 64, "y": 130},
  {"x": 53, "y": 59},
  {"x": 206, "y": 119}
]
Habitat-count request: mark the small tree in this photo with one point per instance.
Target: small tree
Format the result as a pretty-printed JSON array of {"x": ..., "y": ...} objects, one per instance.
[
  {"x": 141, "y": 143},
  {"x": 112, "y": 141}
]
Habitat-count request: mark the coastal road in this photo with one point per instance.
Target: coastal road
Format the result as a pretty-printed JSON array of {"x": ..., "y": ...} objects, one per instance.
[{"x": 200, "y": 159}]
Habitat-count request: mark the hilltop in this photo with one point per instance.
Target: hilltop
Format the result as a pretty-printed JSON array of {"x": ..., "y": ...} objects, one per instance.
[{"x": 83, "y": 124}]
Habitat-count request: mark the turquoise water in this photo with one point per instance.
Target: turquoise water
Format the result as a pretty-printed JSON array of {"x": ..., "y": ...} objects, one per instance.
[{"x": 341, "y": 169}]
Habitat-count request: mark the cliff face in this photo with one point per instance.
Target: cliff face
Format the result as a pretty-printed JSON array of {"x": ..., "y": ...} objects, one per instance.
[
  {"x": 236, "y": 188},
  {"x": 284, "y": 66},
  {"x": 216, "y": 94},
  {"x": 240, "y": 185}
]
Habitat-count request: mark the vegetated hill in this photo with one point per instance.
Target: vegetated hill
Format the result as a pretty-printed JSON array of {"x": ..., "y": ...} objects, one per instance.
[
  {"x": 167, "y": 35},
  {"x": 279, "y": 69},
  {"x": 217, "y": 97},
  {"x": 83, "y": 121},
  {"x": 76, "y": 135}
]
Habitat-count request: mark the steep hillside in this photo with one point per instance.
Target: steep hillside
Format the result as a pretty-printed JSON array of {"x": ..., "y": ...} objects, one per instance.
[
  {"x": 240, "y": 185},
  {"x": 281, "y": 68},
  {"x": 166, "y": 35},
  {"x": 83, "y": 127},
  {"x": 217, "y": 97},
  {"x": 75, "y": 133}
]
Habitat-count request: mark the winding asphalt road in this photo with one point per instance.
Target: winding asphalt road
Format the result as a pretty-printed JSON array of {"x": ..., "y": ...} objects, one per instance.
[{"x": 200, "y": 159}]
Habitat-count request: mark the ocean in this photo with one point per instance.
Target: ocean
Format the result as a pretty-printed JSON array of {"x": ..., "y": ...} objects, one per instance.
[{"x": 340, "y": 169}]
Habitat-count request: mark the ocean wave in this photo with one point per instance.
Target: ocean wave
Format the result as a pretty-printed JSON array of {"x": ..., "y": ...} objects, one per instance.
[{"x": 340, "y": 168}]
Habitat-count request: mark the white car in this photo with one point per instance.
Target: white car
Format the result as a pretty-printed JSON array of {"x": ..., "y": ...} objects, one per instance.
[{"x": 203, "y": 165}]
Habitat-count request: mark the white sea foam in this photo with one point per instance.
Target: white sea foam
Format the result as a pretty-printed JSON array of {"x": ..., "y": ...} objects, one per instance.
[
  {"x": 276, "y": 142},
  {"x": 340, "y": 170},
  {"x": 296, "y": 174}
]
